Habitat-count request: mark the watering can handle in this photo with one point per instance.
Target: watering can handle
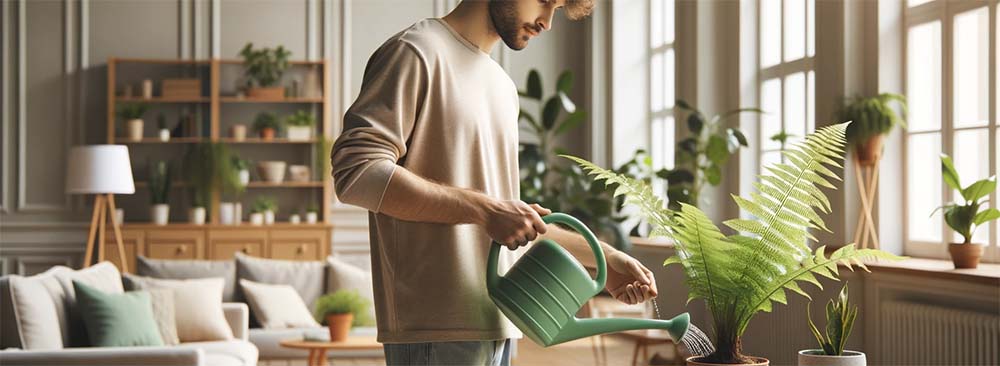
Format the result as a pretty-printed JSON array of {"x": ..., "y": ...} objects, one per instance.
[{"x": 595, "y": 246}]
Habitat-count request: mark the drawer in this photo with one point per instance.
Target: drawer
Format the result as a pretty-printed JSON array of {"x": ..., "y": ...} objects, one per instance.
[
  {"x": 298, "y": 244},
  {"x": 175, "y": 244},
  {"x": 224, "y": 243},
  {"x": 224, "y": 251},
  {"x": 131, "y": 241},
  {"x": 295, "y": 251}
]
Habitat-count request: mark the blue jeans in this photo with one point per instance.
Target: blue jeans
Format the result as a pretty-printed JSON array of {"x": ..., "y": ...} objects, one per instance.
[{"x": 486, "y": 353}]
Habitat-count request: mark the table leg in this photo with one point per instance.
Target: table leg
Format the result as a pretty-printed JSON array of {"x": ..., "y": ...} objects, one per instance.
[
  {"x": 321, "y": 357},
  {"x": 645, "y": 353},
  {"x": 312, "y": 357},
  {"x": 635, "y": 354}
]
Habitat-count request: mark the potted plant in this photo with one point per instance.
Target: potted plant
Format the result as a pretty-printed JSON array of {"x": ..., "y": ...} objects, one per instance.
[
  {"x": 342, "y": 310},
  {"x": 272, "y": 171},
  {"x": 300, "y": 125},
  {"x": 242, "y": 167},
  {"x": 312, "y": 213},
  {"x": 208, "y": 168},
  {"x": 256, "y": 216},
  {"x": 159, "y": 191},
  {"x": 267, "y": 206},
  {"x": 872, "y": 118},
  {"x": 161, "y": 124},
  {"x": 743, "y": 274},
  {"x": 263, "y": 69},
  {"x": 239, "y": 131},
  {"x": 132, "y": 114},
  {"x": 839, "y": 322},
  {"x": 231, "y": 212},
  {"x": 294, "y": 219},
  {"x": 967, "y": 216},
  {"x": 266, "y": 125}
]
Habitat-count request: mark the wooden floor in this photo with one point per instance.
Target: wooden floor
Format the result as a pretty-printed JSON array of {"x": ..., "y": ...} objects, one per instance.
[{"x": 577, "y": 353}]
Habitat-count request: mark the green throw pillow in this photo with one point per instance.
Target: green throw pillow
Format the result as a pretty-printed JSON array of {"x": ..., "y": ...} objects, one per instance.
[{"x": 117, "y": 320}]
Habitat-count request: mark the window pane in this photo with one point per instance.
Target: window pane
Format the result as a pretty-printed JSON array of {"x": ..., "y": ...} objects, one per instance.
[
  {"x": 667, "y": 155},
  {"x": 971, "y": 68},
  {"x": 656, "y": 22},
  {"x": 913, "y": 3},
  {"x": 668, "y": 78},
  {"x": 770, "y": 32},
  {"x": 770, "y": 102},
  {"x": 923, "y": 79},
  {"x": 971, "y": 150},
  {"x": 795, "y": 106},
  {"x": 656, "y": 81},
  {"x": 810, "y": 28},
  {"x": 795, "y": 29},
  {"x": 668, "y": 21},
  {"x": 657, "y": 147},
  {"x": 769, "y": 158},
  {"x": 924, "y": 187},
  {"x": 811, "y": 102}
]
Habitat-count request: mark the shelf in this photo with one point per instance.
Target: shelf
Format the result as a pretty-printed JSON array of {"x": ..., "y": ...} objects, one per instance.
[
  {"x": 235, "y": 61},
  {"x": 167, "y": 61},
  {"x": 254, "y": 184},
  {"x": 162, "y": 100},
  {"x": 230, "y": 140},
  {"x": 242, "y": 225},
  {"x": 156, "y": 140},
  {"x": 286, "y": 100}
]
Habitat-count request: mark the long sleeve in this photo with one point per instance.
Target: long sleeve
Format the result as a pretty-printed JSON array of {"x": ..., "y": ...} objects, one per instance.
[{"x": 379, "y": 124}]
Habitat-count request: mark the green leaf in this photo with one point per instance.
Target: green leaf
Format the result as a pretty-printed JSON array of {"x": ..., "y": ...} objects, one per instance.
[
  {"x": 979, "y": 189},
  {"x": 676, "y": 175},
  {"x": 986, "y": 216},
  {"x": 565, "y": 82},
  {"x": 534, "y": 85},
  {"x": 735, "y": 132},
  {"x": 695, "y": 123},
  {"x": 567, "y": 103},
  {"x": 522, "y": 115},
  {"x": 949, "y": 173},
  {"x": 713, "y": 174},
  {"x": 689, "y": 144},
  {"x": 550, "y": 112},
  {"x": 571, "y": 122},
  {"x": 717, "y": 150}
]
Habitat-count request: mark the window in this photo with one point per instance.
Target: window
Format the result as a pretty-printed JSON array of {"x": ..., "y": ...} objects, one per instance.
[
  {"x": 947, "y": 83},
  {"x": 787, "y": 76},
  {"x": 661, "y": 79}
]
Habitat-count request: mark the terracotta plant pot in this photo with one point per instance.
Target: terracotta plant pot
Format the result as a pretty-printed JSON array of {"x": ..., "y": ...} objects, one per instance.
[
  {"x": 816, "y": 357},
  {"x": 267, "y": 134},
  {"x": 274, "y": 92},
  {"x": 965, "y": 255},
  {"x": 870, "y": 151},
  {"x": 340, "y": 325},
  {"x": 758, "y": 361}
]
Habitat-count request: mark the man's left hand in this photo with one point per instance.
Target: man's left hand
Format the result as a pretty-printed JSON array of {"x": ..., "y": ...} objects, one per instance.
[{"x": 628, "y": 280}]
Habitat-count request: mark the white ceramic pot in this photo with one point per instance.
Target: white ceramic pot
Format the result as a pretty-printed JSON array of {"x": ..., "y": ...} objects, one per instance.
[
  {"x": 196, "y": 215},
  {"x": 160, "y": 213},
  {"x": 311, "y": 217},
  {"x": 299, "y": 133},
  {"x": 294, "y": 219},
  {"x": 239, "y": 132},
  {"x": 134, "y": 128},
  {"x": 268, "y": 217},
  {"x": 244, "y": 177},
  {"x": 271, "y": 171},
  {"x": 147, "y": 88},
  {"x": 120, "y": 215},
  {"x": 164, "y": 135},
  {"x": 226, "y": 214},
  {"x": 815, "y": 357},
  {"x": 237, "y": 213},
  {"x": 299, "y": 173},
  {"x": 257, "y": 218}
]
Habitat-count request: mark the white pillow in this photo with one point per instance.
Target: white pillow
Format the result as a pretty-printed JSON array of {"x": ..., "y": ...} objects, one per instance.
[
  {"x": 197, "y": 306},
  {"x": 39, "y": 310},
  {"x": 277, "y": 306}
]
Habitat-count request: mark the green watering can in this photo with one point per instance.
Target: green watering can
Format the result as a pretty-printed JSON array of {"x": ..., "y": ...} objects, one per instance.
[{"x": 545, "y": 288}]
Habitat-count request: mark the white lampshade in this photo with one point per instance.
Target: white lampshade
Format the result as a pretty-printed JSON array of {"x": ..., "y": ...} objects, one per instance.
[{"x": 99, "y": 169}]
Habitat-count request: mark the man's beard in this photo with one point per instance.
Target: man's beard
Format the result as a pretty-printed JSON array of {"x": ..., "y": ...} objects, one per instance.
[{"x": 503, "y": 14}]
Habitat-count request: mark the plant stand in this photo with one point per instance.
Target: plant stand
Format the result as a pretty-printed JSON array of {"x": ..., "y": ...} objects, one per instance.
[{"x": 867, "y": 178}]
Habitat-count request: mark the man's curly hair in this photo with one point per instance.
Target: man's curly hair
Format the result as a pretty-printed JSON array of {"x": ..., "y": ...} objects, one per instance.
[{"x": 578, "y": 9}]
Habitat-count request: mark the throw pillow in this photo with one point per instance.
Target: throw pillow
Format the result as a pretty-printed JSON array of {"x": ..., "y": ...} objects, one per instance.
[
  {"x": 164, "y": 314},
  {"x": 277, "y": 306},
  {"x": 188, "y": 269},
  {"x": 103, "y": 276},
  {"x": 39, "y": 313},
  {"x": 197, "y": 306},
  {"x": 342, "y": 275},
  {"x": 305, "y": 276},
  {"x": 117, "y": 320}
]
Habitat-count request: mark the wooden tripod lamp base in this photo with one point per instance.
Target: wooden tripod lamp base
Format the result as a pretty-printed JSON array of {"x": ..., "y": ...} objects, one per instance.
[{"x": 104, "y": 207}]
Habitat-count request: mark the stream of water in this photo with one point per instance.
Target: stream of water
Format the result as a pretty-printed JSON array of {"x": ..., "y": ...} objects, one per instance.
[{"x": 694, "y": 340}]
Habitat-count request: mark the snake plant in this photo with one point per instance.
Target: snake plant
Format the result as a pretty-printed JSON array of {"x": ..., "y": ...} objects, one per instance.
[
  {"x": 839, "y": 322},
  {"x": 743, "y": 274}
]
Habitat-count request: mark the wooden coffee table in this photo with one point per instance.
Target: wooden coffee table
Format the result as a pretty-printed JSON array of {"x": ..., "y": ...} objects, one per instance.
[{"x": 317, "y": 349}]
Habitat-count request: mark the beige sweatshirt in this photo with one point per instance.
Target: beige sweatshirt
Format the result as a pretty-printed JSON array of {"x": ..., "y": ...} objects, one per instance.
[{"x": 436, "y": 105}]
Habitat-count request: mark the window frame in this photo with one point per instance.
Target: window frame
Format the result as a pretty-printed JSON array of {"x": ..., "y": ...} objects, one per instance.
[{"x": 666, "y": 139}]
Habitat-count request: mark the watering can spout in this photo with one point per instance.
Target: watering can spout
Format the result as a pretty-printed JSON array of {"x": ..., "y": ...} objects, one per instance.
[{"x": 676, "y": 327}]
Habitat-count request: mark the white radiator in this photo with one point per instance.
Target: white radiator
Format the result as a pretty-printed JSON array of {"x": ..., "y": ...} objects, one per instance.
[{"x": 919, "y": 334}]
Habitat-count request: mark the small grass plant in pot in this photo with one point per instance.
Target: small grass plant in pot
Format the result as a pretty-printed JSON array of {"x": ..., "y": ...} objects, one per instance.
[
  {"x": 740, "y": 275},
  {"x": 161, "y": 125},
  {"x": 263, "y": 69},
  {"x": 208, "y": 167},
  {"x": 872, "y": 118},
  {"x": 131, "y": 114},
  {"x": 267, "y": 206},
  {"x": 159, "y": 192},
  {"x": 967, "y": 215},
  {"x": 300, "y": 125},
  {"x": 341, "y": 311},
  {"x": 267, "y": 125},
  {"x": 312, "y": 213},
  {"x": 840, "y": 316}
]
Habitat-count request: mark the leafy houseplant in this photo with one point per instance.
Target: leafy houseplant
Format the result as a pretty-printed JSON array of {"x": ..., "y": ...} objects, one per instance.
[
  {"x": 342, "y": 310},
  {"x": 968, "y": 216},
  {"x": 267, "y": 206},
  {"x": 840, "y": 318},
  {"x": 159, "y": 191},
  {"x": 300, "y": 125},
  {"x": 132, "y": 114},
  {"x": 263, "y": 69},
  {"x": 701, "y": 157},
  {"x": 872, "y": 118},
  {"x": 209, "y": 167},
  {"x": 266, "y": 125},
  {"x": 740, "y": 275}
]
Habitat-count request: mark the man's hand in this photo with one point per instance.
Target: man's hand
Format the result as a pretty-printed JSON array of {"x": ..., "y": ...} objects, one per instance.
[
  {"x": 628, "y": 280},
  {"x": 514, "y": 223}
]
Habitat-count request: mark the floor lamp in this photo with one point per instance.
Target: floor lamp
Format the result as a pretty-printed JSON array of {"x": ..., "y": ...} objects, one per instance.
[{"x": 102, "y": 170}]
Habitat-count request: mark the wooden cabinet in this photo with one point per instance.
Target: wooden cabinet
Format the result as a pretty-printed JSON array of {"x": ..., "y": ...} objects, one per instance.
[
  {"x": 131, "y": 240},
  {"x": 175, "y": 244},
  {"x": 298, "y": 244},
  {"x": 225, "y": 243}
]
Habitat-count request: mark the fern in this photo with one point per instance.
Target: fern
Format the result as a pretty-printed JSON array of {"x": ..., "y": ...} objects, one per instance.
[{"x": 741, "y": 275}]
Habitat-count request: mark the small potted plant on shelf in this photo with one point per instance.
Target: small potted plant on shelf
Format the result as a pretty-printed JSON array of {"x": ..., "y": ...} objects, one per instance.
[
  {"x": 161, "y": 124},
  {"x": 263, "y": 69},
  {"x": 312, "y": 213},
  {"x": 238, "y": 132},
  {"x": 872, "y": 118},
  {"x": 242, "y": 167},
  {"x": 256, "y": 216},
  {"x": 300, "y": 125},
  {"x": 231, "y": 213},
  {"x": 266, "y": 125},
  {"x": 967, "y": 216},
  {"x": 266, "y": 206},
  {"x": 839, "y": 322},
  {"x": 294, "y": 219},
  {"x": 159, "y": 191},
  {"x": 208, "y": 167},
  {"x": 132, "y": 114},
  {"x": 342, "y": 310}
]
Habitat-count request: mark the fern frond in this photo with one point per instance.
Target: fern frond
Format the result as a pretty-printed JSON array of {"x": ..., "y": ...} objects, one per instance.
[{"x": 636, "y": 193}]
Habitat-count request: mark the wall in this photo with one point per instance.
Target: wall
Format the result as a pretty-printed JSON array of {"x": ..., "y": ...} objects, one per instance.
[{"x": 53, "y": 89}]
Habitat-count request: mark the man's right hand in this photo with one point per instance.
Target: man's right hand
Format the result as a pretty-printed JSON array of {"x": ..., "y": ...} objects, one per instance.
[{"x": 514, "y": 223}]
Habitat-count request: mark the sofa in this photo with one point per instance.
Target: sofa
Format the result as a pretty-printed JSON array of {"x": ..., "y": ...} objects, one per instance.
[{"x": 38, "y": 326}]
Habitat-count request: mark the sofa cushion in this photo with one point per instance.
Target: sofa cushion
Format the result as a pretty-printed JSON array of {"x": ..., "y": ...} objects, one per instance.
[
  {"x": 188, "y": 269},
  {"x": 39, "y": 311},
  {"x": 103, "y": 276},
  {"x": 197, "y": 306},
  {"x": 164, "y": 314},
  {"x": 342, "y": 275},
  {"x": 117, "y": 320},
  {"x": 225, "y": 353},
  {"x": 276, "y": 306},
  {"x": 306, "y": 277}
]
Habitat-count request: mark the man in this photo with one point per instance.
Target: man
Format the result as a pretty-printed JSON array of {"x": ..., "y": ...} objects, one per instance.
[{"x": 430, "y": 149}]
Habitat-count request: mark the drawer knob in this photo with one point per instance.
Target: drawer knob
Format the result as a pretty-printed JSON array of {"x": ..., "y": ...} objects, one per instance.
[
  {"x": 181, "y": 249},
  {"x": 302, "y": 249},
  {"x": 246, "y": 249}
]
